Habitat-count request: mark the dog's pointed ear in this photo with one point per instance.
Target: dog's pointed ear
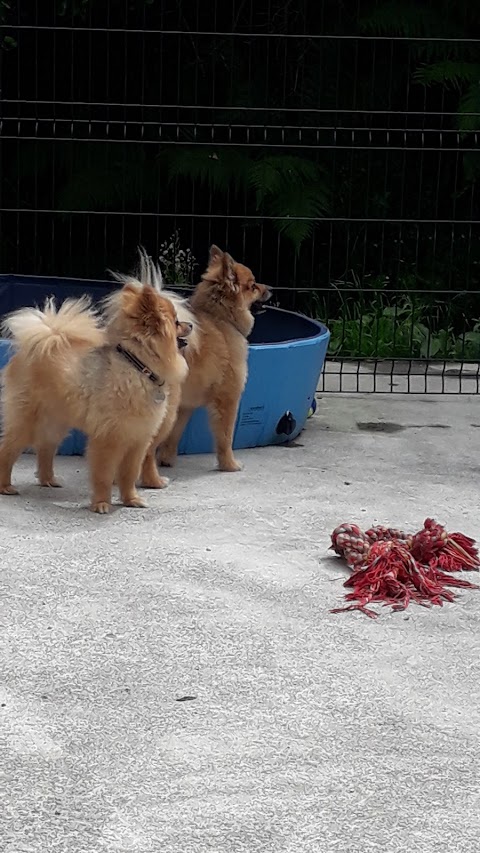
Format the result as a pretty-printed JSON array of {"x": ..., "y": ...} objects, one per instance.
[
  {"x": 148, "y": 300},
  {"x": 140, "y": 304},
  {"x": 221, "y": 268},
  {"x": 156, "y": 313},
  {"x": 130, "y": 296},
  {"x": 215, "y": 255},
  {"x": 229, "y": 269}
]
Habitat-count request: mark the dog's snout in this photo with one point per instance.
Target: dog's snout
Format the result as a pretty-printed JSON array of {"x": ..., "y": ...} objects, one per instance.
[
  {"x": 184, "y": 329},
  {"x": 267, "y": 293}
]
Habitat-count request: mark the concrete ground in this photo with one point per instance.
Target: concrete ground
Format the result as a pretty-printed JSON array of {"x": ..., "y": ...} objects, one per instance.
[{"x": 301, "y": 731}]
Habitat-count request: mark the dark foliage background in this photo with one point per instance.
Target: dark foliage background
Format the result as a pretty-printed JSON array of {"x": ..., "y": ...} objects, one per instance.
[{"x": 333, "y": 146}]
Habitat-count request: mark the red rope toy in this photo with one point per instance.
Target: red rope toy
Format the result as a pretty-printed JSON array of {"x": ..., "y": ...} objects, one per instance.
[{"x": 395, "y": 568}]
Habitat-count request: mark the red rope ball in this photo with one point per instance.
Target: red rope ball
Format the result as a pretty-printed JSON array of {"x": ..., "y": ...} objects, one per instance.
[{"x": 394, "y": 568}]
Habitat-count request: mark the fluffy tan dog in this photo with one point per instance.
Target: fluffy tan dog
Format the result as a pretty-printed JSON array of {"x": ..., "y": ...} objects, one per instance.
[
  {"x": 112, "y": 382},
  {"x": 220, "y": 309}
]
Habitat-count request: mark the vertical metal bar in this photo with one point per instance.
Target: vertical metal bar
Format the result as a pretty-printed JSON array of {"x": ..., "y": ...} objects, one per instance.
[
  {"x": 125, "y": 167},
  {"x": 35, "y": 143},
  {"x": 73, "y": 143},
  {"x": 87, "y": 269},
  {"x": 161, "y": 173},
  {"x": 53, "y": 145},
  {"x": 107, "y": 99},
  {"x": 18, "y": 246}
]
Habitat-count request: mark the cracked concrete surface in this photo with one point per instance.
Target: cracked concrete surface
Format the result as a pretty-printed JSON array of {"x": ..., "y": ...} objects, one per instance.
[{"x": 302, "y": 731}]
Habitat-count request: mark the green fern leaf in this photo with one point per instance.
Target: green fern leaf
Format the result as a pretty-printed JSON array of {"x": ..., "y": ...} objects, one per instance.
[
  {"x": 270, "y": 174},
  {"x": 410, "y": 19},
  {"x": 469, "y": 109},
  {"x": 308, "y": 202},
  {"x": 264, "y": 177},
  {"x": 111, "y": 179},
  {"x": 471, "y": 166},
  {"x": 88, "y": 189},
  {"x": 400, "y": 18},
  {"x": 286, "y": 187},
  {"x": 292, "y": 189},
  {"x": 220, "y": 169},
  {"x": 448, "y": 73}
]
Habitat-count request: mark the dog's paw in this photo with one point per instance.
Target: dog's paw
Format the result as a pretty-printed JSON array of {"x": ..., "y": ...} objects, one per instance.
[
  {"x": 229, "y": 465},
  {"x": 155, "y": 483},
  {"x": 8, "y": 490},
  {"x": 101, "y": 507},
  {"x": 166, "y": 456},
  {"x": 135, "y": 502},
  {"x": 166, "y": 461}
]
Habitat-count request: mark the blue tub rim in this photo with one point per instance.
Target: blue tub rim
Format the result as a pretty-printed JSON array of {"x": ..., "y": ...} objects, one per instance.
[{"x": 322, "y": 330}]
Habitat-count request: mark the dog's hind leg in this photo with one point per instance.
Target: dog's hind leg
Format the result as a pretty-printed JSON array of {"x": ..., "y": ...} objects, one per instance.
[
  {"x": 168, "y": 451},
  {"x": 150, "y": 478},
  {"x": 13, "y": 443}
]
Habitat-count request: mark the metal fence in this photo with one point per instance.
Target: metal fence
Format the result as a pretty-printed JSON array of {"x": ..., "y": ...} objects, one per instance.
[{"x": 332, "y": 147}]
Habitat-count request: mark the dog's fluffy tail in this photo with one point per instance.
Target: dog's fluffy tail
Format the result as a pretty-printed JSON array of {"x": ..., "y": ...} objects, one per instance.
[{"x": 55, "y": 332}]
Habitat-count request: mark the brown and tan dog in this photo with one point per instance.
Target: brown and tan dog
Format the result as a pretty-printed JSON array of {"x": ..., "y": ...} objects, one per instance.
[
  {"x": 220, "y": 310},
  {"x": 110, "y": 381}
]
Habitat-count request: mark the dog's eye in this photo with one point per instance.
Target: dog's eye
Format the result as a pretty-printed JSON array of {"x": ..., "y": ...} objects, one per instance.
[
  {"x": 254, "y": 285},
  {"x": 177, "y": 323}
]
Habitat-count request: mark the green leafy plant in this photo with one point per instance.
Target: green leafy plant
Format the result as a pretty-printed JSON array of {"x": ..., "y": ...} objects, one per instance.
[
  {"x": 464, "y": 78},
  {"x": 467, "y": 346},
  {"x": 203, "y": 137},
  {"x": 221, "y": 171},
  {"x": 73, "y": 8},
  {"x": 8, "y": 42},
  {"x": 398, "y": 331},
  {"x": 448, "y": 73},
  {"x": 104, "y": 176},
  {"x": 445, "y": 62},
  {"x": 292, "y": 190},
  {"x": 177, "y": 264},
  {"x": 404, "y": 18}
]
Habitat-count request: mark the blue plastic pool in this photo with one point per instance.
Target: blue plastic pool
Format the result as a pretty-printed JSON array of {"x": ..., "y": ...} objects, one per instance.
[{"x": 286, "y": 357}]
